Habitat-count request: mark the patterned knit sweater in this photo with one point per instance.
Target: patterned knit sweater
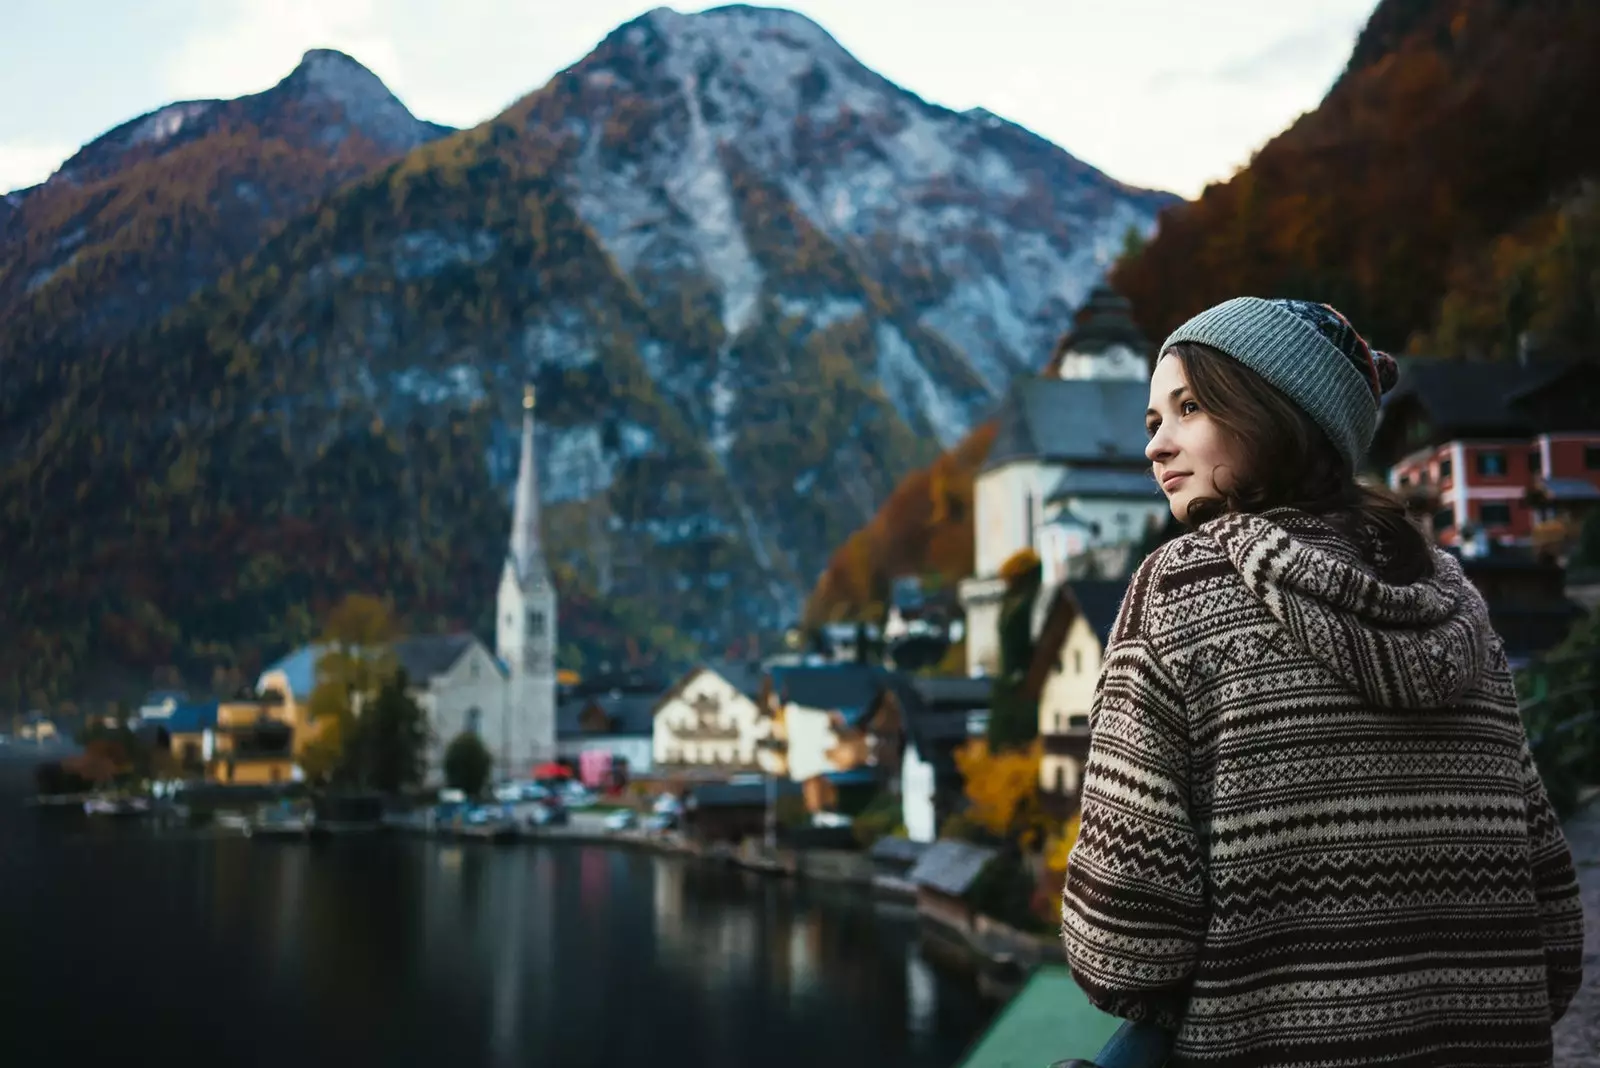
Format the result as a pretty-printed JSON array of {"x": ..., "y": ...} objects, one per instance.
[{"x": 1312, "y": 830}]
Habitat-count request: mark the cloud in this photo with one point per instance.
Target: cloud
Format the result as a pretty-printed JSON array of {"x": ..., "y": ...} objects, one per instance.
[
  {"x": 25, "y": 163},
  {"x": 245, "y": 46},
  {"x": 1287, "y": 60}
]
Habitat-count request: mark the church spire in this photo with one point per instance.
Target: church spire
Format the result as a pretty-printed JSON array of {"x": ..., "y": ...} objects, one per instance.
[{"x": 527, "y": 551}]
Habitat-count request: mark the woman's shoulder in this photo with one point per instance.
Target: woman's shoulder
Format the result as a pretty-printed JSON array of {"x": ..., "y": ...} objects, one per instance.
[{"x": 1163, "y": 587}]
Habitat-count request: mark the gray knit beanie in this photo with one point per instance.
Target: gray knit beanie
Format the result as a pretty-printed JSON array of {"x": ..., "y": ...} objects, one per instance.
[{"x": 1311, "y": 354}]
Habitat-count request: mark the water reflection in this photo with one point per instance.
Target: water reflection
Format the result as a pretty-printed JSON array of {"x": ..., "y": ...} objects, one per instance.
[{"x": 410, "y": 952}]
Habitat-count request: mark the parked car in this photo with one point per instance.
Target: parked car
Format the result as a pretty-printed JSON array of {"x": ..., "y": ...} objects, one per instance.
[{"x": 620, "y": 820}]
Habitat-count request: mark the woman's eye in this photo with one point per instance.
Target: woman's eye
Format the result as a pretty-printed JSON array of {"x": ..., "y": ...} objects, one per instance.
[
  {"x": 1150, "y": 429},
  {"x": 1190, "y": 407}
]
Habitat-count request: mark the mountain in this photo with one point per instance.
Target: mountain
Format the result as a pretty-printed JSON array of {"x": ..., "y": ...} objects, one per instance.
[
  {"x": 1456, "y": 122},
  {"x": 149, "y": 213},
  {"x": 753, "y": 283},
  {"x": 678, "y": 127},
  {"x": 1441, "y": 193}
]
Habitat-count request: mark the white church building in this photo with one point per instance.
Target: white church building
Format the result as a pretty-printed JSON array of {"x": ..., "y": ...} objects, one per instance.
[
  {"x": 1067, "y": 471},
  {"x": 507, "y": 697}
]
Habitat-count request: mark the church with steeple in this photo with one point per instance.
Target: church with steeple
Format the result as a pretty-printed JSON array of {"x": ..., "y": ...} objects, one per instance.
[
  {"x": 525, "y": 621},
  {"x": 508, "y": 697}
]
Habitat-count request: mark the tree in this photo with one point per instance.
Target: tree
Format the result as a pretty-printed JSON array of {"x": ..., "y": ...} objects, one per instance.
[
  {"x": 1586, "y": 552},
  {"x": 467, "y": 764},
  {"x": 102, "y": 761},
  {"x": 1013, "y": 718},
  {"x": 389, "y": 746},
  {"x": 1558, "y": 709},
  {"x": 356, "y": 660},
  {"x": 1002, "y": 789}
]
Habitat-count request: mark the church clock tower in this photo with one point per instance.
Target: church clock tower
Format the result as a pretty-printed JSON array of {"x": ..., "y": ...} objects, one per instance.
[{"x": 525, "y": 627}]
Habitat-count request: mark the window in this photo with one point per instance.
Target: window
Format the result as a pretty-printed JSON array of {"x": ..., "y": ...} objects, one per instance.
[
  {"x": 1591, "y": 457},
  {"x": 1444, "y": 519},
  {"x": 1494, "y": 515},
  {"x": 1491, "y": 464},
  {"x": 1077, "y": 661},
  {"x": 1444, "y": 470},
  {"x": 1404, "y": 481},
  {"x": 1535, "y": 462},
  {"x": 535, "y": 624},
  {"x": 474, "y": 721},
  {"x": 1079, "y": 720}
]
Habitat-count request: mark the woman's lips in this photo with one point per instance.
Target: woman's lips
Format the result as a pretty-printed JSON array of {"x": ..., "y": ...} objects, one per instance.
[{"x": 1170, "y": 480}]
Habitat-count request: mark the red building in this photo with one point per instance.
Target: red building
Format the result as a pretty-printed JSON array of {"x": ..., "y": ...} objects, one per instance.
[{"x": 1498, "y": 446}]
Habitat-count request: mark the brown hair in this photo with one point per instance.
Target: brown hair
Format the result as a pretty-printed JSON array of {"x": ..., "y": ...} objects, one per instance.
[{"x": 1292, "y": 464}]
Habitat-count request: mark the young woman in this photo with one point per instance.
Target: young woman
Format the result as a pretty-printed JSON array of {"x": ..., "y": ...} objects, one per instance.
[{"x": 1312, "y": 830}]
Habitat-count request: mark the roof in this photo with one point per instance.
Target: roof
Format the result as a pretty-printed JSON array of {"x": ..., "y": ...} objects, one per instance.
[
  {"x": 944, "y": 692},
  {"x": 1104, "y": 319},
  {"x": 740, "y": 794},
  {"x": 895, "y": 849},
  {"x": 1105, "y": 482},
  {"x": 1050, "y": 1019},
  {"x": 744, "y": 676},
  {"x": 423, "y": 656},
  {"x": 1100, "y": 600},
  {"x": 1071, "y": 420},
  {"x": 950, "y": 866},
  {"x": 300, "y": 668},
  {"x": 190, "y": 717},
  {"x": 629, "y": 713},
  {"x": 936, "y": 736},
  {"x": 1570, "y": 489},
  {"x": 426, "y": 656},
  {"x": 1470, "y": 396},
  {"x": 1097, "y": 600},
  {"x": 850, "y": 689}
]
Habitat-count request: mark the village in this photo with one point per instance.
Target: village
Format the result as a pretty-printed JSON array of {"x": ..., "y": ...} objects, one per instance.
[{"x": 847, "y": 757}]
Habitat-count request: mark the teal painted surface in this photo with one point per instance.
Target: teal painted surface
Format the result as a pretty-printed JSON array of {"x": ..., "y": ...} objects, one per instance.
[{"x": 1048, "y": 1020}]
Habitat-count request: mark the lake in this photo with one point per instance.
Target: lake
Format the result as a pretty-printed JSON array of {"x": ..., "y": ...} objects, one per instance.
[{"x": 183, "y": 948}]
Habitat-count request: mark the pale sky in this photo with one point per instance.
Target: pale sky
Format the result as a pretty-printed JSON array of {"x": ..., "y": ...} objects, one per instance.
[{"x": 1161, "y": 93}]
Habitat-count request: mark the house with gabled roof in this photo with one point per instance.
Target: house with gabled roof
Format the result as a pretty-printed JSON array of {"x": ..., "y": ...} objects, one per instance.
[
  {"x": 1493, "y": 448},
  {"x": 1069, "y": 645},
  {"x": 608, "y": 735},
  {"x": 1067, "y": 471},
  {"x": 710, "y": 721}
]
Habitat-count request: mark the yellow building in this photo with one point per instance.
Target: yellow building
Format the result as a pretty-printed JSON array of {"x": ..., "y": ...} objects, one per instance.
[
  {"x": 1063, "y": 676},
  {"x": 253, "y": 743}
]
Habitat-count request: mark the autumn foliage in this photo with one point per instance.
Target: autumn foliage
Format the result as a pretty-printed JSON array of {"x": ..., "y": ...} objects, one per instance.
[
  {"x": 1454, "y": 121},
  {"x": 1002, "y": 789},
  {"x": 923, "y": 528}
]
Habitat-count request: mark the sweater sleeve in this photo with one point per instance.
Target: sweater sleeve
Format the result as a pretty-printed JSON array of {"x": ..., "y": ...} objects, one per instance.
[
  {"x": 1134, "y": 905},
  {"x": 1556, "y": 884}
]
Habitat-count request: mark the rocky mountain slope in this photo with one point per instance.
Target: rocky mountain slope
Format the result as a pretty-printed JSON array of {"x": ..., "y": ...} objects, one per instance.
[
  {"x": 154, "y": 210},
  {"x": 753, "y": 282}
]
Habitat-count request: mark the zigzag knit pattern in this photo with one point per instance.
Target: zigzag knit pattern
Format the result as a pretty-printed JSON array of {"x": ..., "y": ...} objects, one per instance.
[{"x": 1312, "y": 832}]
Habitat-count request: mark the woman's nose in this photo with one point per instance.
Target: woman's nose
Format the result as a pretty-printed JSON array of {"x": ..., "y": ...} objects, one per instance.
[{"x": 1160, "y": 446}]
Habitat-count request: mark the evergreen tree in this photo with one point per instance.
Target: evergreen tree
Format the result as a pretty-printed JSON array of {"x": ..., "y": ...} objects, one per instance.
[{"x": 467, "y": 764}]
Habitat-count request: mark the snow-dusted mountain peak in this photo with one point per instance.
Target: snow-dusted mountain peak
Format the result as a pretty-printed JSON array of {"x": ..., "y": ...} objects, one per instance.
[{"x": 326, "y": 75}]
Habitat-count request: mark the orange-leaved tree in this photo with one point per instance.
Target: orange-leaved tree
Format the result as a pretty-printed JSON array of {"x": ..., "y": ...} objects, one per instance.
[{"x": 1002, "y": 789}]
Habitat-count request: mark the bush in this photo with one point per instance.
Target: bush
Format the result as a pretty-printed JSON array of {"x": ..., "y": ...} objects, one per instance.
[{"x": 467, "y": 764}]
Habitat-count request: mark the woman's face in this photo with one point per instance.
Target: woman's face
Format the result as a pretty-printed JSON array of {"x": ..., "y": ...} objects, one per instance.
[{"x": 1191, "y": 455}]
